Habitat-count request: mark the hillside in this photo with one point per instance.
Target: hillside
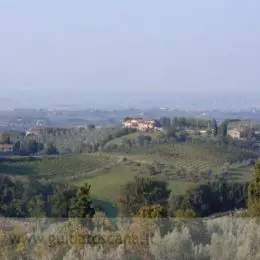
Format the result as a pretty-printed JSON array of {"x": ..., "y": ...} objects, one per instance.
[
  {"x": 133, "y": 136},
  {"x": 191, "y": 155},
  {"x": 182, "y": 165},
  {"x": 65, "y": 168},
  {"x": 244, "y": 123}
]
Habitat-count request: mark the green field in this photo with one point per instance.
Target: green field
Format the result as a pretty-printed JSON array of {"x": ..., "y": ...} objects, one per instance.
[
  {"x": 189, "y": 155},
  {"x": 62, "y": 169},
  {"x": 106, "y": 173},
  {"x": 134, "y": 136},
  {"x": 107, "y": 183},
  {"x": 103, "y": 172},
  {"x": 240, "y": 174}
]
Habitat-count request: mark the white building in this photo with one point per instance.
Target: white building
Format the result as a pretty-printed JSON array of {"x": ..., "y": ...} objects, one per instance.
[{"x": 6, "y": 148}]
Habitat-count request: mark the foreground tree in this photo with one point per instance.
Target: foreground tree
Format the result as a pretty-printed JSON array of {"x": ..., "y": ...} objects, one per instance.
[
  {"x": 142, "y": 192},
  {"x": 51, "y": 149},
  {"x": 254, "y": 193},
  {"x": 5, "y": 138},
  {"x": 81, "y": 206},
  {"x": 153, "y": 211},
  {"x": 209, "y": 198},
  {"x": 215, "y": 127},
  {"x": 61, "y": 200}
]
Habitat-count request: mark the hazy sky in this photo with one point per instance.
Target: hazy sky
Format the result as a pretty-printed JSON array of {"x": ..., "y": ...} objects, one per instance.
[{"x": 128, "y": 46}]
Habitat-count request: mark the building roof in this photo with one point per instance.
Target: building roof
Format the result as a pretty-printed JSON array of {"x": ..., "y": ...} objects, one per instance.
[
  {"x": 6, "y": 146},
  {"x": 35, "y": 130},
  {"x": 234, "y": 130}
]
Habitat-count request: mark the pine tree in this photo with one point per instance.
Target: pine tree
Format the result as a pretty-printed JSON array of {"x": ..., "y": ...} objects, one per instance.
[
  {"x": 254, "y": 193},
  {"x": 81, "y": 206}
]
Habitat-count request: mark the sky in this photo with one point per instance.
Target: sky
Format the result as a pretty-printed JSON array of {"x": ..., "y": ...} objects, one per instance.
[{"x": 98, "y": 50}]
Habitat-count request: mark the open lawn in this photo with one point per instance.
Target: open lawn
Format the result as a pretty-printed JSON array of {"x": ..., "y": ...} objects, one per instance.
[
  {"x": 240, "y": 174},
  {"x": 134, "y": 136},
  {"x": 180, "y": 187},
  {"x": 189, "y": 155},
  {"x": 106, "y": 184},
  {"x": 106, "y": 172},
  {"x": 57, "y": 168}
]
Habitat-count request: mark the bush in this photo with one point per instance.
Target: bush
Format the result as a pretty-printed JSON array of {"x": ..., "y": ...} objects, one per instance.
[
  {"x": 210, "y": 198},
  {"x": 220, "y": 238},
  {"x": 142, "y": 192}
]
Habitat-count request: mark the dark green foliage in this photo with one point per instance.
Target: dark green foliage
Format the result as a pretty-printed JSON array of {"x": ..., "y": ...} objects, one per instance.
[
  {"x": 165, "y": 121},
  {"x": 142, "y": 192},
  {"x": 123, "y": 132},
  {"x": 5, "y": 138},
  {"x": 144, "y": 139},
  {"x": 211, "y": 198},
  {"x": 9, "y": 194},
  {"x": 119, "y": 133},
  {"x": 50, "y": 149},
  {"x": 223, "y": 131},
  {"x": 61, "y": 200},
  {"x": 91, "y": 126},
  {"x": 195, "y": 123},
  {"x": 69, "y": 140},
  {"x": 254, "y": 193},
  {"x": 155, "y": 168},
  {"x": 28, "y": 147},
  {"x": 170, "y": 131},
  {"x": 38, "y": 199},
  {"x": 18, "y": 199},
  {"x": 215, "y": 127},
  {"x": 249, "y": 134},
  {"x": 36, "y": 206},
  {"x": 81, "y": 206},
  {"x": 111, "y": 147}
]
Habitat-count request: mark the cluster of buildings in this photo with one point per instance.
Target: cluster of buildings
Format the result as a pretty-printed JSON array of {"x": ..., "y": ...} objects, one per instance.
[
  {"x": 142, "y": 125},
  {"x": 241, "y": 133},
  {"x": 19, "y": 123},
  {"x": 35, "y": 131},
  {"x": 234, "y": 133},
  {"x": 6, "y": 149}
]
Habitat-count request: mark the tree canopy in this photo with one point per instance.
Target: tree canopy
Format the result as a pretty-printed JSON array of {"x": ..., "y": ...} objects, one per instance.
[{"x": 142, "y": 192}]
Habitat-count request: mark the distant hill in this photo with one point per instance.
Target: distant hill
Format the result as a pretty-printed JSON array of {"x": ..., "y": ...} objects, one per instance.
[{"x": 244, "y": 124}]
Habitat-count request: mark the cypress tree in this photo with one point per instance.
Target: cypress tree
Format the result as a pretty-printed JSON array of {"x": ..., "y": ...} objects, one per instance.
[
  {"x": 215, "y": 127},
  {"x": 254, "y": 193}
]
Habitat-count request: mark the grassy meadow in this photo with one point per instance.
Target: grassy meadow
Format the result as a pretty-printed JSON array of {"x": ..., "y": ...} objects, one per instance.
[
  {"x": 189, "y": 155},
  {"x": 240, "y": 174},
  {"x": 107, "y": 172},
  {"x": 133, "y": 136}
]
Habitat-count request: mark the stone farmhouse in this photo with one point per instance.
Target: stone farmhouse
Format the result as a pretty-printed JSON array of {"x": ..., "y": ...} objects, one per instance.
[
  {"x": 142, "y": 125},
  {"x": 34, "y": 131},
  {"x": 234, "y": 133},
  {"x": 6, "y": 149}
]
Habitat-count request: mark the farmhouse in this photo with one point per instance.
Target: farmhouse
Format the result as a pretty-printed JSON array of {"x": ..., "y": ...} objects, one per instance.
[
  {"x": 6, "y": 149},
  {"x": 34, "y": 131},
  {"x": 234, "y": 133},
  {"x": 141, "y": 125}
]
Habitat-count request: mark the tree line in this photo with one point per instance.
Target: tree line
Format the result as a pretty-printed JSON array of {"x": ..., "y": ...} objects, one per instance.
[
  {"x": 63, "y": 140},
  {"x": 35, "y": 198},
  {"x": 56, "y": 140},
  {"x": 156, "y": 214}
]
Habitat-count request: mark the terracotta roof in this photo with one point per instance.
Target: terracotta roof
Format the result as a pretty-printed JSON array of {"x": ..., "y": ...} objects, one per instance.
[
  {"x": 36, "y": 128},
  {"x": 6, "y": 146}
]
